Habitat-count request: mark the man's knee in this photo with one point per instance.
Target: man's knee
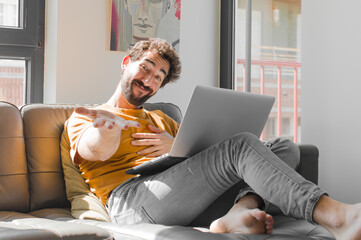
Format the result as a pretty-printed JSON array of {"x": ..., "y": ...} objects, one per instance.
[
  {"x": 286, "y": 150},
  {"x": 245, "y": 137},
  {"x": 283, "y": 148}
]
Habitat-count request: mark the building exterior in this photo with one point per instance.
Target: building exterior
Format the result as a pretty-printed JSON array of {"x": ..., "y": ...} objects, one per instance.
[{"x": 276, "y": 61}]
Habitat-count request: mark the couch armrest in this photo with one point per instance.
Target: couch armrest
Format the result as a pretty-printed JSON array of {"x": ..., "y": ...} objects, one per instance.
[{"x": 308, "y": 167}]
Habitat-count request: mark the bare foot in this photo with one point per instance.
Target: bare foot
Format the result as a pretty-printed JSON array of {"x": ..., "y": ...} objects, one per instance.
[
  {"x": 244, "y": 220},
  {"x": 348, "y": 225}
]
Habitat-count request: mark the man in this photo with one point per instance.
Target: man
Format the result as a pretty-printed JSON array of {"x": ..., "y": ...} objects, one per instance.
[{"x": 108, "y": 140}]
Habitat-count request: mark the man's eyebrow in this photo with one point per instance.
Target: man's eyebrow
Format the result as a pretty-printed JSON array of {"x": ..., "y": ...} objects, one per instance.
[
  {"x": 153, "y": 63},
  {"x": 150, "y": 61}
]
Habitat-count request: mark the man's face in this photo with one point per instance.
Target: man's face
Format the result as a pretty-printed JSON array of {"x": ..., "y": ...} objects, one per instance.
[
  {"x": 142, "y": 78},
  {"x": 145, "y": 16}
]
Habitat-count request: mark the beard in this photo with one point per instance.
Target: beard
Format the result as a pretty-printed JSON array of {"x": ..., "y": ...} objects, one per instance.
[{"x": 127, "y": 88}]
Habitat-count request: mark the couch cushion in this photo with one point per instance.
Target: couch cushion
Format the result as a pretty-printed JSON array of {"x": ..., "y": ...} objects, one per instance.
[
  {"x": 286, "y": 228},
  {"x": 84, "y": 204},
  {"x": 43, "y": 125},
  {"x": 53, "y": 223},
  {"x": 13, "y": 168},
  {"x": 170, "y": 109},
  {"x": 26, "y": 226}
]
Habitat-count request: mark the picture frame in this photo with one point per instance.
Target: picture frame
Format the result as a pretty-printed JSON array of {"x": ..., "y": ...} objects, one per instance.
[{"x": 135, "y": 20}]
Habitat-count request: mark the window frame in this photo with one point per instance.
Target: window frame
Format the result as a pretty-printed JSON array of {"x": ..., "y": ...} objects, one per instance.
[
  {"x": 227, "y": 46},
  {"x": 27, "y": 43}
]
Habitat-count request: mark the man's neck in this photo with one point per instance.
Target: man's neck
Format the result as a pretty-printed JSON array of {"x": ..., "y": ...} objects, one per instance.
[{"x": 119, "y": 101}]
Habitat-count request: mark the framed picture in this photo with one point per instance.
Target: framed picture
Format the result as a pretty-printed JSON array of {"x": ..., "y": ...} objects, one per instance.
[{"x": 135, "y": 20}]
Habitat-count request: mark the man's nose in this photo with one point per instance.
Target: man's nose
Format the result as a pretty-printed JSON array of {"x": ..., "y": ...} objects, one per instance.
[
  {"x": 147, "y": 79},
  {"x": 143, "y": 10}
]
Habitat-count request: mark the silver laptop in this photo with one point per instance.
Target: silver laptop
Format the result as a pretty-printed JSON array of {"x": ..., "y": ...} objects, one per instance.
[{"x": 213, "y": 115}]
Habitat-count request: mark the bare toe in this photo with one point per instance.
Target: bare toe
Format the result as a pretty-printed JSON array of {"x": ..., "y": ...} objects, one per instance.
[
  {"x": 258, "y": 214},
  {"x": 269, "y": 224}
]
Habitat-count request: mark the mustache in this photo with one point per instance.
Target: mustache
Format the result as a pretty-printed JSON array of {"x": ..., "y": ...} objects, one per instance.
[{"x": 140, "y": 83}]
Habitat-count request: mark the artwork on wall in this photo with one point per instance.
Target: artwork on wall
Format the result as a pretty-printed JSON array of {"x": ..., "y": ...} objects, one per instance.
[{"x": 135, "y": 20}]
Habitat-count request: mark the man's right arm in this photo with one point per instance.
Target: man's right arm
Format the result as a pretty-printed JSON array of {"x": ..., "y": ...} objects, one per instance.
[{"x": 101, "y": 140}]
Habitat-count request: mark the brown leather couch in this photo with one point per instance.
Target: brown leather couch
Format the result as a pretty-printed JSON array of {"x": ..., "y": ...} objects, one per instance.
[{"x": 33, "y": 201}]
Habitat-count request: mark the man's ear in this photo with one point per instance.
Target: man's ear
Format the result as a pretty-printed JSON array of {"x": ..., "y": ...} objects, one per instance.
[{"x": 125, "y": 62}]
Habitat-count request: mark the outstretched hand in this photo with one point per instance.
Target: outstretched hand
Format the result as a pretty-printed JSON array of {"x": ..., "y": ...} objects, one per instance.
[
  {"x": 101, "y": 141},
  {"x": 159, "y": 142},
  {"x": 102, "y": 118}
]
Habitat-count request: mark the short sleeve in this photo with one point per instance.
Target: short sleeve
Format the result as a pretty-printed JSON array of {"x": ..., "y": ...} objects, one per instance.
[{"x": 77, "y": 124}]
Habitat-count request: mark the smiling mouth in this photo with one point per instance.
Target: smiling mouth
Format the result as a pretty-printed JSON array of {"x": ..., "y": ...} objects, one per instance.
[
  {"x": 143, "y": 28},
  {"x": 143, "y": 25},
  {"x": 140, "y": 85}
]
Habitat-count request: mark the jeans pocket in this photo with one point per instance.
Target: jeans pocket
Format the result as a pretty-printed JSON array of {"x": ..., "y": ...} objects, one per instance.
[{"x": 133, "y": 216}]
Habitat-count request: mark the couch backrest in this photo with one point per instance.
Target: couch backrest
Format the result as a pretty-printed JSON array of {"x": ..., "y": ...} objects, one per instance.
[
  {"x": 14, "y": 194},
  {"x": 170, "y": 109},
  {"x": 43, "y": 125},
  {"x": 31, "y": 175}
]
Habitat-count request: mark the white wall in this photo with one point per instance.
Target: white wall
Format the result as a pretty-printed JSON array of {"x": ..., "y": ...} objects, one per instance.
[
  {"x": 79, "y": 68},
  {"x": 331, "y": 83}
]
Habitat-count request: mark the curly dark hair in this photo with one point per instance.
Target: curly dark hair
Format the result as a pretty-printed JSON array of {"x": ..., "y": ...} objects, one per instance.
[{"x": 165, "y": 50}]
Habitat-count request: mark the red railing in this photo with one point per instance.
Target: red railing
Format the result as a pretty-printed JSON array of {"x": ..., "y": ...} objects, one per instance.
[{"x": 279, "y": 65}]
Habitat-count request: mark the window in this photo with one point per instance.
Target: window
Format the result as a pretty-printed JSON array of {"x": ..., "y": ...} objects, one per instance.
[
  {"x": 12, "y": 81},
  {"x": 9, "y": 13},
  {"x": 261, "y": 53},
  {"x": 21, "y": 51},
  {"x": 2, "y": 15}
]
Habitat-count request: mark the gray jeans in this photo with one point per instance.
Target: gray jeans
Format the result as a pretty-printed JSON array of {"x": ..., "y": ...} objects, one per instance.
[{"x": 179, "y": 194}]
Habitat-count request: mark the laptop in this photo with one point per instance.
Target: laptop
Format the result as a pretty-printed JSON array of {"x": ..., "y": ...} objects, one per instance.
[{"x": 213, "y": 115}]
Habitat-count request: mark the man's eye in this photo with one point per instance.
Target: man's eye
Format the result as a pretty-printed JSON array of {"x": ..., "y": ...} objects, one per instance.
[
  {"x": 158, "y": 78},
  {"x": 144, "y": 67}
]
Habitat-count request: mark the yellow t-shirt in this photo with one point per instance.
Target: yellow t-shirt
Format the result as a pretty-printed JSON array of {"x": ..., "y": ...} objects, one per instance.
[{"x": 104, "y": 176}]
